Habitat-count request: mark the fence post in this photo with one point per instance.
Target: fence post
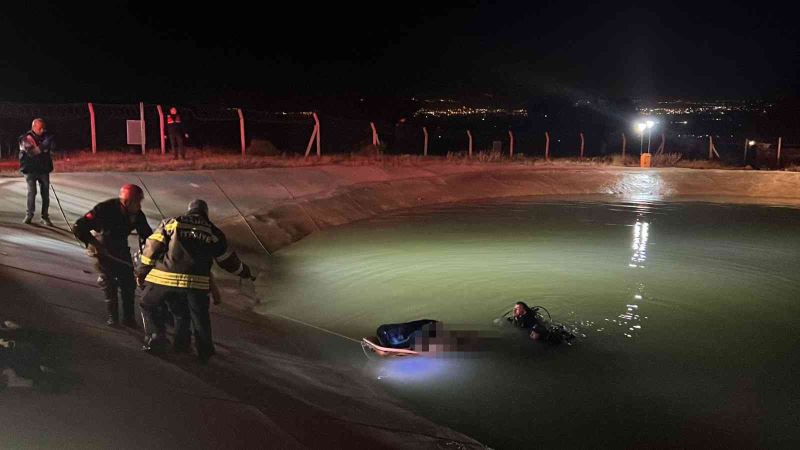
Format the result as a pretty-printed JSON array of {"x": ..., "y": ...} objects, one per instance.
[
  {"x": 141, "y": 127},
  {"x": 712, "y": 150},
  {"x": 241, "y": 130},
  {"x": 161, "y": 127},
  {"x": 469, "y": 134},
  {"x": 425, "y": 145},
  {"x": 582, "y": 142},
  {"x": 94, "y": 130},
  {"x": 624, "y": 142},
  {"x": 375, "y": 139},
  {"x": 511, "y": 144},
  {"x": 312, "y": 138},
  {"x": 780, "y": 140},
  {"x": 547, "y": 146},
  {"x": 710, "y": 147},
  {"x": 319, "y": 130}
]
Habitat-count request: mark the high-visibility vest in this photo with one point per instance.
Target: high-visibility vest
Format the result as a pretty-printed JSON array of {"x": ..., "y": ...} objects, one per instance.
[{"x": 173, "y": 119}]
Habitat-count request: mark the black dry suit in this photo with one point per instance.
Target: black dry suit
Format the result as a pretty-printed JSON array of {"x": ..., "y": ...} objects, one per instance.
[
  {"x": 531, "y": 321},
  {"x": 112, "y": 225}
]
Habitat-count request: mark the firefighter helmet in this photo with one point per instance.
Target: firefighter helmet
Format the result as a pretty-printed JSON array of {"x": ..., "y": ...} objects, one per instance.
[{"x": 131, "y": 192}]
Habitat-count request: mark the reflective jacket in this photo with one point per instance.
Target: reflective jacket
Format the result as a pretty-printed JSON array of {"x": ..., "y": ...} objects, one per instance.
[{"x": 181, "y": 250}]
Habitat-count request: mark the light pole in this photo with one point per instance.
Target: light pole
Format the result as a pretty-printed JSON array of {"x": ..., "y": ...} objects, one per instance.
[
  {"x": 747, "y": 146},
  {"x": 650, "y": 125},
  {"x": 640, "y": 126}
]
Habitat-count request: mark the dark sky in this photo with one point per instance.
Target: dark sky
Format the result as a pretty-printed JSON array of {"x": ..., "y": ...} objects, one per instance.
[{"x": 229, "y": 51}]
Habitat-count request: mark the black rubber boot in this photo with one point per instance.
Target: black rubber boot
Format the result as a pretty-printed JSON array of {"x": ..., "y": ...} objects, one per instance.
[
  {"x": 156, "y": 344},
  {"x": 113, "y": 313}
]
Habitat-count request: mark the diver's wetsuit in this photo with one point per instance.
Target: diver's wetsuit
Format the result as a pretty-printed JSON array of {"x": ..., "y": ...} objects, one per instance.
[
  {"x": 551, "y": 335},
  {"x": 401, "y": 335},
  {"x": 528, "y": 321}
]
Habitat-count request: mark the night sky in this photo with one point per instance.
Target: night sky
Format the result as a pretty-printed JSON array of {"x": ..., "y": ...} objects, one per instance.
[{"x": 126, "y": 52}]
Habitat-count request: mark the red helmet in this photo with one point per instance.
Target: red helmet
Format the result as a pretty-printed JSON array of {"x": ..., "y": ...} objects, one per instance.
[{"x": 131, "y": 192}]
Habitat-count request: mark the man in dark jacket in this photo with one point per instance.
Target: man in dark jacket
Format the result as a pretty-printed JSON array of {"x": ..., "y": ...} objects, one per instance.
[
  {"x": 36, "y": 163},
  {"x": 105, "y": 231},
  {"x": 175, "y": 268}
]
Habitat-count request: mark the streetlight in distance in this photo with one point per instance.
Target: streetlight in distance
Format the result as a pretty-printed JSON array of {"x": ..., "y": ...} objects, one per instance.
[
  {"x": 640, "y": 126},
  {"x": 747, "y": 145},
  {"x": 650, "y": 125}
]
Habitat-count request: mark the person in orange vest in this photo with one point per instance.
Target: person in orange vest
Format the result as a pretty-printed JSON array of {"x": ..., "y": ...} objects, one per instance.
[{"x": 176, "y": 133}]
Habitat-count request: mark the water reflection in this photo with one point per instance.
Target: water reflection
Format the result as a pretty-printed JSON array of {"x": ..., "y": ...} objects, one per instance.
[
  {"x": 414, "y": 370},
  {"x": 630, "y": 320},
  {"x": 641, "y": 236},
  {"x": 641, "y": 233}
]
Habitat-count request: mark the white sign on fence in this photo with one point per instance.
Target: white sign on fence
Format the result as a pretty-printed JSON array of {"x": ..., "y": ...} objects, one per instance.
[{"x": 134, "y": 128}]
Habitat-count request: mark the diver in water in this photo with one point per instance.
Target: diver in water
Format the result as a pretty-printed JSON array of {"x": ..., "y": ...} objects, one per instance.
[
  {"x": 539, "y": 329},
  {"x": 430, "y": 336}
]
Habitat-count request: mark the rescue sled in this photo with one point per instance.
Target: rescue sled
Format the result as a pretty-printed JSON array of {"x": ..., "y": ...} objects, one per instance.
[{"x": 370, "y": 347}]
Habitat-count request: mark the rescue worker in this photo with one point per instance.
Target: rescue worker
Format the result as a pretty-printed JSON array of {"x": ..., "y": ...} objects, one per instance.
[
  {"x": 175, "y": 268},
  {"x": 524, "y": 317},
  {"x": 105, "y": 230},
  {"x": 176, "y": 133},
  {"x": 538, "y": 329}
]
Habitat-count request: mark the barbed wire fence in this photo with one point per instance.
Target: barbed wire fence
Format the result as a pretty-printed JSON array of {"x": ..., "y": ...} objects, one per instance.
[{"x": 263, "y": 133}]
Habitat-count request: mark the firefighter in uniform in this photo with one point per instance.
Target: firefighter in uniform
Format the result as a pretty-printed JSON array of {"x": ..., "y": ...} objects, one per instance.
[
  {"x": 176, "y": 133},
  {"x": 175, "y": 268},
  {"x": 104, "y": 230}
]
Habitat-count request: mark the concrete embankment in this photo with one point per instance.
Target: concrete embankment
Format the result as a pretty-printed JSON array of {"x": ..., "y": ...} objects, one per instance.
[{"x": 285, "y": 204}]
